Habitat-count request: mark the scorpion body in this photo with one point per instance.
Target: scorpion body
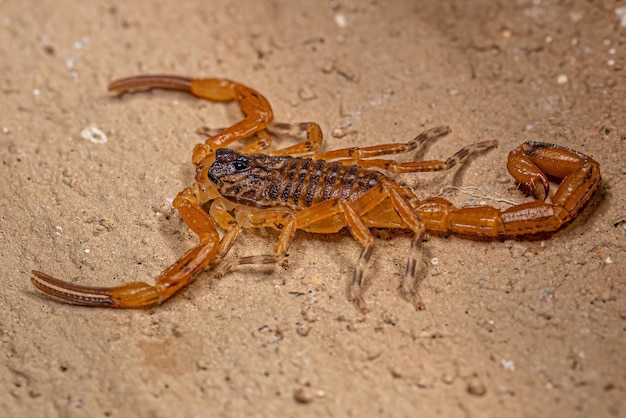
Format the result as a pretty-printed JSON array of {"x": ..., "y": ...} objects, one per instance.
[
  {"x": 299, "y": 188},
  {"x": 265, "y": 181}
]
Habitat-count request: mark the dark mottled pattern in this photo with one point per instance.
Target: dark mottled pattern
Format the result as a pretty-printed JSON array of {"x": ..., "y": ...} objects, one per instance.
[
  {"x": 304, "y": 171},
  {"x": 348, "y": 180},
  {"x": 314, "y": 178},
  {"x": 330, "y": 178},
  {"x": 297, "y": 183},
  {"x": 291, "y": 165}
]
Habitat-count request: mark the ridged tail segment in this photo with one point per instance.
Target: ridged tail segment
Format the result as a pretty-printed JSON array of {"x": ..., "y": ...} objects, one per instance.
[{"x": 303, "y": 182}]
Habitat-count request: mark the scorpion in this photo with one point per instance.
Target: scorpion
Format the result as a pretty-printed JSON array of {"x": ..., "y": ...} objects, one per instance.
[{"x": 299, "y": 188}]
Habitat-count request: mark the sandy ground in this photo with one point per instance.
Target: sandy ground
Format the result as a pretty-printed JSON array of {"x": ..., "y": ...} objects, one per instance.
[{"x": 513, "y": 328}]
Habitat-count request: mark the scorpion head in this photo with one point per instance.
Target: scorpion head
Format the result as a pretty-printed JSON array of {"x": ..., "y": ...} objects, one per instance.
[{"x": 241, "y": 178}]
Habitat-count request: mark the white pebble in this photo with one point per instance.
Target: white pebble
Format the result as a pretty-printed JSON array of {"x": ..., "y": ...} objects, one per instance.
[
  {"x": 341, "y": 20},
  {"x": 561, "y": 79},
  {"x": 508, "y": 365},
  {"x": 92, "y": 134}
]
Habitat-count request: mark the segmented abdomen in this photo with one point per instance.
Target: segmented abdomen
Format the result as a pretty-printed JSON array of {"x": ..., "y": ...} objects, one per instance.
[{"x": 302, "y": 182}]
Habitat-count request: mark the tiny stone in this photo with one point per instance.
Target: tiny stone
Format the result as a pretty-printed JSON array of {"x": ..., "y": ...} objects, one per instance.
[
  {"x": 303, "y": 395},
  {"x": 423, "y": 382},
  {"x": 339, "y": 133},
  {"x": 448, "y": 378},
  {"x": 389, "y": 318},
  {"x": 93, "y": 134},
  {"x": 562, "y": 79},
  {"x": 476, "y": 387},
  {"x": 328, "y": 67},
  {"x": 341, "y": 20},
  {"x": 303, "y": 329}
]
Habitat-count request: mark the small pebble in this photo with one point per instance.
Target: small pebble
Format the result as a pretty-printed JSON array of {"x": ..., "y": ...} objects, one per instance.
[
  {"x": 389, "y": 318},
  {"x": 476, "y": 387},
  {"x": 448, "y": 378},
  {"x": 341, "y": 20},
  {"x": 92, "y": 134},
  {"x": 303, "y": 395},
  {"x": 339, "y": 133},
  {"x": 303, "y": 329},
  {"x": 327, "y": 66}
]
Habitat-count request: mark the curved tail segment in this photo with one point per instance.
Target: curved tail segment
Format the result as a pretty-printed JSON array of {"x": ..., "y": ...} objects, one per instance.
[
  {"x": 132, "y": 295},
  {"x": 531, "y": 164},
  {"x": 140, "y": 294},
  {"x": 256, "y": 108}
]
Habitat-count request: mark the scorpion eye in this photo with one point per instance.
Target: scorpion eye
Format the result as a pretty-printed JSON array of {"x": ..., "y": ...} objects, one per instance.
[{"x": 241, "y": 163}]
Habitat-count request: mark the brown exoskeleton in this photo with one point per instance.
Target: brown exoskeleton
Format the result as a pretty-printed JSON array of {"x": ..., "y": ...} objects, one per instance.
[{"x": 325, "y": 192}]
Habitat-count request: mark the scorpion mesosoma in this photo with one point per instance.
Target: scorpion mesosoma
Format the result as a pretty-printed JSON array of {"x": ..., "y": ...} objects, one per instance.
[{"x": 326, "y": 192}]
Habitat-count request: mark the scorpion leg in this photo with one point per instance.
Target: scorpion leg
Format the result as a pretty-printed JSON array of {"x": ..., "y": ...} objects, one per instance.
[
  {"x": 140, "y": 294},
  {"x": 354, "y": 154},
  {"x": 220, "y": 214},
  {"x": 289, "y": 222},
  {"x": 357, "y": 221},
  {"x": 257, "y": 110},
  {"x": 310, "y": 145},
  {"x": 423, "y": 166},
  {"x": 529, "y": 164},
  {"x": 262, "y": 139},
  {"x": 321, "y": 218}
]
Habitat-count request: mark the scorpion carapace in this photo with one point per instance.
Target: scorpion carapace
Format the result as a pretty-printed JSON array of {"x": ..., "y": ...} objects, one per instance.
[{"x": 297, "y": 188}]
